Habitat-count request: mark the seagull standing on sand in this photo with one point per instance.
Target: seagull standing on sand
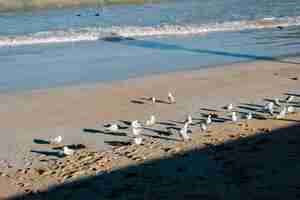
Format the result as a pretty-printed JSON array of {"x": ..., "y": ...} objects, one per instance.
[
  {"x": 208, "y": 120},
  {"x": 68, "y": 151},
  {"x": 289, "y": 99},
  {"x": 136, "y": 124},
  {"x": 249, "y": 116},
  {"x": 269, "y": 107},
  {"x": 234, "y": 117},
  {"x": 56, "y": 140},
  {"x": 203, "y": 127},
  {"x": 171, "y": 98},
  {"x": 282, "y": 113},
  {"x": 184, "y": 132},
  {"x": 290, "y": 109},
  {"x": 189, "y": 120},
  {"x": 153, "y": 99},
  {"x": 151, "y": 121},
  {"x": 112, "y": 128},
  {"x": 229, "y": 107},
  {"x": 138, "y": 140},
  {"x": 136, "y": 131}
]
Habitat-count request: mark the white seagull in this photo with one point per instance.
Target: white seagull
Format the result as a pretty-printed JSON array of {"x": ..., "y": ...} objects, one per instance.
[
  {"x": 289, "y": 99},
  {"x": 153, "y": 99},
  {"x": 249, "y": 116},
  {"x": 171, "y": 98},
  {"x": 56, "y": 140},
  {"x": 203, "y": 127},
  {"x": 269, "y": 107},
  {"x": 68, "y": 151},
  {"x": 112, "y": 128},
  {"x": 184, "y": 132},
  {"x": 189, "y": 120},
  {"x": 229, "y": 107},
  {"x": 136, "y": 124},
  {"x": 136, "y": 131},
  {"x": 234, "y": 117},
  {"x": 138, "y": 140},
  {"x": 290, "y": 109},
  {"x": 208, "y": 120},
  {"x": 151, "y": 121},
  {"x": 282, "y": 113}
]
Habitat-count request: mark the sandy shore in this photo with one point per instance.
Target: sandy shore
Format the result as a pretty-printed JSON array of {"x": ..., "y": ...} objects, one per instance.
[{"x": 74, "y": 112}]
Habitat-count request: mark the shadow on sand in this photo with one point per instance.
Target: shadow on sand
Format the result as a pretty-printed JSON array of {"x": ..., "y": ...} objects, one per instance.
[
  {"x": 264, "y": 166},
  {"x": 89, "y": 130}
]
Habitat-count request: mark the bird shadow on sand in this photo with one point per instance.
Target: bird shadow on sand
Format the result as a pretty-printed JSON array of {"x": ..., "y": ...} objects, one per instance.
[
  {"x": 292, "y": 94},
  {"x": 71, "y": 146},
  {"x": 289, "y": 120},
  {"x": 48, "y": 153},
  {"x": 176, "y": 122},
  {"x": 119, "y": 126},
  {"x": 118, "y": 143},
  {"x": 161, "y": 137},
  {"x": 126, "y": 122},
  {"x": 137, "y": 102},
  {"x": 209, "y": 110},
  {"x": 166, "y": 123},
  {"x": 149, "y": 99},
  {"x": 41, "y": 141},
  {"x": 273, "y": 100},
  {"x": 257, "y": 106},
  {"x": 88, "y": 130},
  {"x": 159, "y": 132},
  {"x": 213, "y": 119}
]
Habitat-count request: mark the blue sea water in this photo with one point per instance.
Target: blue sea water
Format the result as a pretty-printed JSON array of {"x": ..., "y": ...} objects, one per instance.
[{"x": 52, "y": 48}]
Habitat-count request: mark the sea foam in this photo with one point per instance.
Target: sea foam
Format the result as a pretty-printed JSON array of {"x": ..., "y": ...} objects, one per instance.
[{"x": 98, "y": 33}]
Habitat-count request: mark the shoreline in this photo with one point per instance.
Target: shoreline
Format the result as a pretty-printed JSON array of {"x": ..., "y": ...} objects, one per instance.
[{"x": 155, "y": 75}]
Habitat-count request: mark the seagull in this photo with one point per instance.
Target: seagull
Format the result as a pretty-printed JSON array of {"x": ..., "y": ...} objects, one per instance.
[
  {"x": 277, "y": 102},
  {"x": 153, "y": 99},
  {"x": 282, "y": 113},
  {"x": 290, "y": 109},
  {"x": 289, "y": 99},
  {"x": 56, "y": 140},
  {"x": 68, "y": 151},
  {"x": 136, "y": 124},
  {"x": 136, "y": 131},
  {"x": 138, "y": 140},
  {"x": 249, "y": 116},
  {"x": 229, "y": 107},
  {"x": 171, "y": 98},
  {"x": 208, "y": 120},
  {"x": 151, "y": 121},
  {"x": 112, "y": 128},
  {"x": 234, "y": 117},
  {"x": 203, "y": 127},
  {"x": 189, "y": 120},
  {"x": 269, "y": 107},
  {"x": 184, "y": 132}
]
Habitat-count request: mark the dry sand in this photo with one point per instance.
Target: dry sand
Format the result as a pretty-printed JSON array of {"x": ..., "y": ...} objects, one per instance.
[{"x": 77, "y": 113}]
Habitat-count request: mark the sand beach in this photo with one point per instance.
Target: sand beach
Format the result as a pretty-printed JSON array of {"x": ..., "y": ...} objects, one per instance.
[{"x": 253, "y": 160}]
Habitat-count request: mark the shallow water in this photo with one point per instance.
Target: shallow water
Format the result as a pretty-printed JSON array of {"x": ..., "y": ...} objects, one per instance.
[{"x": 38, "y": 49}]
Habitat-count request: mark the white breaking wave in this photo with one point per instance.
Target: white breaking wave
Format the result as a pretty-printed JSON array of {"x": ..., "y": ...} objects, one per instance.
[{"x": 97, "y": 33}]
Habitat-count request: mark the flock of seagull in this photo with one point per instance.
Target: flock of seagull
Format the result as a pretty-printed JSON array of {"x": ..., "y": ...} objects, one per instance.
[{"x": 282, "y": 107}]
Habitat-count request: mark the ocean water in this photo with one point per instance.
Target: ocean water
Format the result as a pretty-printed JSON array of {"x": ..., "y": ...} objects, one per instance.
[{"x": 52, "y": 48}]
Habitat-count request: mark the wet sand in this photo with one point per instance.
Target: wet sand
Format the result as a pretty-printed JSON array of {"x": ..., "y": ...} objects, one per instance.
[{"x": 78, "y": 114}]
